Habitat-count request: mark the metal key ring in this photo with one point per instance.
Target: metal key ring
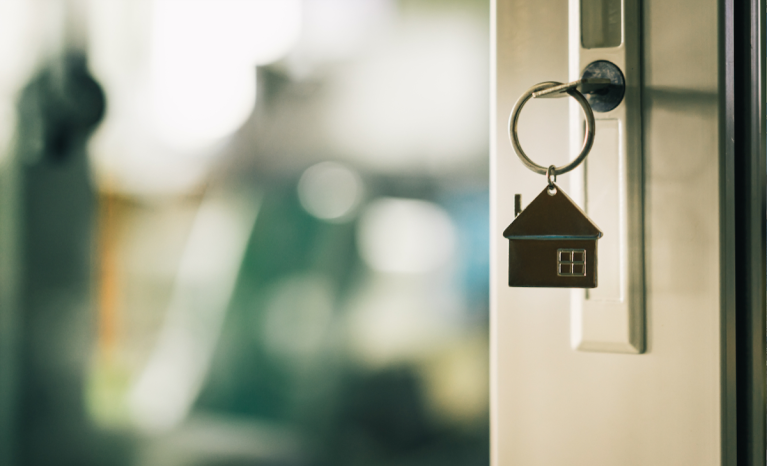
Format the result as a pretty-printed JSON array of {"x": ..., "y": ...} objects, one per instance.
[{"x": 588, "y": 140}]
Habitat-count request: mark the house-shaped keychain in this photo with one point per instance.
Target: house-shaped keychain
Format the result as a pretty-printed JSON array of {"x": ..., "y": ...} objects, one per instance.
[{"x": 552, "y": 243}]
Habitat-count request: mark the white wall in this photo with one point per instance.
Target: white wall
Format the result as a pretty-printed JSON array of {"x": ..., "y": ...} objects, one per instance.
[{"x": 556, "y": 406}]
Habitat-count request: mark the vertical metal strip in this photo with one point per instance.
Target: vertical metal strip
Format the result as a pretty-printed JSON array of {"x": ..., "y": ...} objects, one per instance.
[
  {"x": 613, "y": 320},
  {"x": 727, "y": 232},
  {"x": 755, "y": 334},
  {"x": 745, "y": 120}
]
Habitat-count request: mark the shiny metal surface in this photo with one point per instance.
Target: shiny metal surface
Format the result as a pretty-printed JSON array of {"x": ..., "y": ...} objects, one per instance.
[
  {"x": 551, "y": 177},
  {"x": 610, "y": 187},
  {"x": 588, "y": 140},
  {"x": 583, "y": 85}
]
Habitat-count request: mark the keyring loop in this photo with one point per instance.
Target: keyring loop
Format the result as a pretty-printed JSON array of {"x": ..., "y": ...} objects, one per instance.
[
  {"x": 551, "y": 172},
  {"x": 588, "y": 140}
]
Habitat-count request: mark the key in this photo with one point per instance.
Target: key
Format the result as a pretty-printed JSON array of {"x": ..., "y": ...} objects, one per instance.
[{"x": 584, "y": 86}]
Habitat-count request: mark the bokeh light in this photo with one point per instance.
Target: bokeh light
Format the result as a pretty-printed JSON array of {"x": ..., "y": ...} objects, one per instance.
[
  {"x": 244, "y": 232},
  {"x": 330, "y": 191},
  {"x": 204, "y": 54},
  {"x": 405, "y": 236}
]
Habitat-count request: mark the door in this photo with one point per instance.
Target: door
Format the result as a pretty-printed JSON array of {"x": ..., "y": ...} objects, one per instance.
[{"x": 689, "y": 390}]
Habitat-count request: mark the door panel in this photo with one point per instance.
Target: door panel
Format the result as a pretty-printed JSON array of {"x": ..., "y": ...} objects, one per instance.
[{"x": 551, "y": 404}]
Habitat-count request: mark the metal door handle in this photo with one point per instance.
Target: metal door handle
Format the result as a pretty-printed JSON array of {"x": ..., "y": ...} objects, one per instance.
[{"x": 604, "y": 42}]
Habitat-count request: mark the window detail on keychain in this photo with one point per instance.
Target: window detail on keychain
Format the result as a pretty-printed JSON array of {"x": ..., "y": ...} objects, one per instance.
[{"x": 571, "y": 262}]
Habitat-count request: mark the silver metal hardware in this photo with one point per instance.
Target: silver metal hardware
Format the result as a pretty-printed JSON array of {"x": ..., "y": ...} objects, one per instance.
[
  {"x": 551, "y": 176},
  {"x": 588, "y": 139},
  {"x": 583, "y": 85},
  {"x": 605, "y": 38}
]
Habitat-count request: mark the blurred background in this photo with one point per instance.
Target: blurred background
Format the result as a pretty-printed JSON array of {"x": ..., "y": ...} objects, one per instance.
[{"x": 244, "y": 232}]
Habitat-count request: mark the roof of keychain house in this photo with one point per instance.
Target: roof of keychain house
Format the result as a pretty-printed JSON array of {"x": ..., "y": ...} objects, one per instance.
[
  {"x": 552, "y": 243},
  {"x": 552, "y": 216}
]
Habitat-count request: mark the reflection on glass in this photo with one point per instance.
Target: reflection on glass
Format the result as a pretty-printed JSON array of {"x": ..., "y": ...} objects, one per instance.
[{"x": 601, "y": 23}]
